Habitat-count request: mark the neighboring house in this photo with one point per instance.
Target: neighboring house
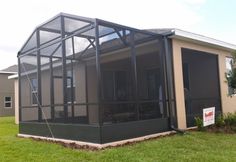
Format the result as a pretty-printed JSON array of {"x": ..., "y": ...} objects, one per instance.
[
  {"x": 7, "y": 104},
  {"x": 95, "y": 81},
  {"x": 14, "y": 78}
]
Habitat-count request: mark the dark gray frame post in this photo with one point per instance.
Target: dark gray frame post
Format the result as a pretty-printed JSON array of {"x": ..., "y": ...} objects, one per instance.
[
  {"x": 19, "y": 88},
  {"x": 39, "y": 90},
  {"x": 98, "y": 69},
  {"x": 72, "y": 80},
  {"x": 52, "y": 90},
  {"x": 72, "y": 90},
  {"x": 64, "y": 72},
  {"x": 164, "y": 101},
  {"x": 134, "y": 72},
  {"x": 86, "y": 90},
  {"x": 169, "y": 81}
]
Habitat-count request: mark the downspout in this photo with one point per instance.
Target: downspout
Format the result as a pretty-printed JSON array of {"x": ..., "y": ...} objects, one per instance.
[{"x": 169, "y": 77}]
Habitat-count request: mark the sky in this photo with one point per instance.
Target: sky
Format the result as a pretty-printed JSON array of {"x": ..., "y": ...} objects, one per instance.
[{"x": 212, "y": 18}]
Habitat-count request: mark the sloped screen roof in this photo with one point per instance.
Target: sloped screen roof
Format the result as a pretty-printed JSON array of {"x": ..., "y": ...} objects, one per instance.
[
  {"x": 50, "y": 32},
  {"x": 48, "y": 36}
]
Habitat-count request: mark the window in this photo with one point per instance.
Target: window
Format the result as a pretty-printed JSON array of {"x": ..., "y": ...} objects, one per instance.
[
  {"x": 153, "y": 83},
  {"x": 229, "y": 68},
  {"x": 8, "y": 102},
  {"x": 70, "y": 85},
  {"x": 34, "y": 91},
  {"x": 115, "y": 85}
]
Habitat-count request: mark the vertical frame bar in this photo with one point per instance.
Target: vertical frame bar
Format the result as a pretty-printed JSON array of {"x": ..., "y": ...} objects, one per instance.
[
  {"x": 169, "y": 78},
  {"x": 163, "y": 79},
  {"x": 98, "y": 70},
  {"x": 134, "y": 71},
  {"x": 19, "y": 88},
  {"x": 64, "y": 73},
  {"x": 86, "y": 90},
  {"x": 99, "y": 86},
  {"x": 72, "y": 90},
  {"x": 73, "y": 47},
  {"x": 39, "y": 90},
  {"x": 52, "y": 90},
  {"x": 72, "y": 80}
]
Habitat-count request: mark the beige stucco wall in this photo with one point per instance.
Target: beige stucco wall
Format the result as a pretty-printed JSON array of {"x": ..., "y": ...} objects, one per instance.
[
  {"x": 228, "y": 103},
  {"x": 6, "y": 90},
  {"x": 32, "y": 113}
]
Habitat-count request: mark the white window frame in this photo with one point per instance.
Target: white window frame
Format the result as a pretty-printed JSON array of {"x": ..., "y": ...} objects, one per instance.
[{"x": 5, "y": 102}]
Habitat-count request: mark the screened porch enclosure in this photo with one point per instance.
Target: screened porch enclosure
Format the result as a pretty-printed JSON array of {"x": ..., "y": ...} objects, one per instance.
[
  {"x": 91, "y": 80},
  {"x": 201, "y": 83}
]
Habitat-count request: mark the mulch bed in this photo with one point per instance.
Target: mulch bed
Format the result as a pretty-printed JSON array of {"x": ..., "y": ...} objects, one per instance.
[
  {"x": 223, "y": 129},
  {"x": 74, "y": 145}
]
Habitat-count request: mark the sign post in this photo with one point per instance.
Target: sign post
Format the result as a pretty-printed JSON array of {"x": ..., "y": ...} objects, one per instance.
[{"x": 208, "y": 116}]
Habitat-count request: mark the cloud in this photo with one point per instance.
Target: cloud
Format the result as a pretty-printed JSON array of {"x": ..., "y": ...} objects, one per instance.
[
  {"x": 7, "y": 59},
  {"x": 194, "y": 2},
  {"x": 17, "y": 26},
  {"x": 8, "y": 48}
]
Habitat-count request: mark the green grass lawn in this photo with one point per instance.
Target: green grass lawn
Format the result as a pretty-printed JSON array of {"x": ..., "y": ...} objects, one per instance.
[{"x": 194, "y": 146}]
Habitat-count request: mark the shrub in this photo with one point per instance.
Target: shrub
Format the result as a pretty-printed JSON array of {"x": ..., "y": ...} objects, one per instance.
[
  {"x": 223, "y": 123},
  {"x": 230, "y": 119},
  {"x": 220, "y": 122},
  {"x": 199, "y": 123}
]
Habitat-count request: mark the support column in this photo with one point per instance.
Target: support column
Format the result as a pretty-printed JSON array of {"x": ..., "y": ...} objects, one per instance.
[
  {"x": 86, "y": 91},
  {"x": 98, "y": 71},
  {"x": 64, "y": 72},
  {"x": 134, "y": 71},
  {"x": 163, "y": 78},
  {"x": 52, "y": 90},
  {"x": 39, "y": 90},
  {"x": 19, "y": 88},
  {"x": 72, "y": 90}
]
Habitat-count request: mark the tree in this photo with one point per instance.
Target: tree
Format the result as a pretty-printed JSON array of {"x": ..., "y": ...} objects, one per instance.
[{"x": 231, "y": 75}]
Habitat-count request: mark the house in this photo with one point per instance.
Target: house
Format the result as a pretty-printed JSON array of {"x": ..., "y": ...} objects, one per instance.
[
  {"x": 95, "y": 81},
  {"x": 14, "y": 78},
  {"x": 7, "y": 104}
]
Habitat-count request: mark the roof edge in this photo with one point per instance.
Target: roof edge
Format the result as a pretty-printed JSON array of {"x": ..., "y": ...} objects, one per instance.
[
  {"x": 177, "y": 33},
  {"x": 7, "y": 72},
  {"x": 15, "y": 76}
]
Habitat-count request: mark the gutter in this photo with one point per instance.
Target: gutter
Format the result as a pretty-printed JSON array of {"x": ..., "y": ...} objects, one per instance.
[
  {"x": 200, "y": 39},
  {"x": 15, "y": 76},
  {"x": 7, "y": 72}
]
